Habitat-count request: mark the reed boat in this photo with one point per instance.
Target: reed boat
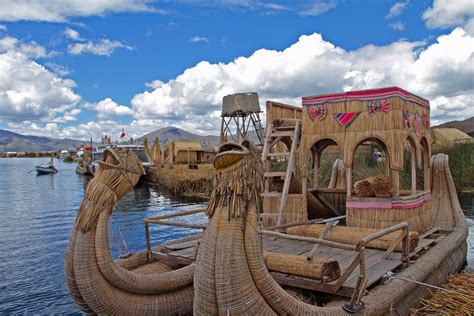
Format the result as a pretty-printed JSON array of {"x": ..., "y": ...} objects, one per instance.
[
  {"x": 85, "y": 167},
  {"x": 277, "y": 243}
]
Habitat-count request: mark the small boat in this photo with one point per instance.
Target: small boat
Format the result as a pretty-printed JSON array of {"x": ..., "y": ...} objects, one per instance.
[
  {"x": 85, "y": 168},
  {"x": 46, "y": 170}
]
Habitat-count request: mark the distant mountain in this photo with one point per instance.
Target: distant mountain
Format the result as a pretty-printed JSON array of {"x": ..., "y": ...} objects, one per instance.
[
  {"x": 10, "y": 141},
  {"x": 467, "y": 126},
  {"x": 167, "y": 134}
]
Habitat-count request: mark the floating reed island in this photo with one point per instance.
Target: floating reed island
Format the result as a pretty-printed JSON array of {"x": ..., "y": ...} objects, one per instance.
[
  {"x": 183, "y": 167},
  {"x": 277, "y": 240}
]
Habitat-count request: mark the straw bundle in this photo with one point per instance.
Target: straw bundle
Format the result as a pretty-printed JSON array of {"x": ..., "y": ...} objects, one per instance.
[
  {"x": 379, "y": 186},
  {"x": 352, "y": 235},
  {"x": 363, "y": 188},
  {"x": 153, "y": 153},
  {"x": 317, "y": 268}
]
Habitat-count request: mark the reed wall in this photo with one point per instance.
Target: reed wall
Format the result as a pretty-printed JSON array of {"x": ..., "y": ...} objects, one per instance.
[{"x": 296, "y": 209}]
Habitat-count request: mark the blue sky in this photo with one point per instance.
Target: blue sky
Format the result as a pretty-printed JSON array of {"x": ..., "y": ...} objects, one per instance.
[{"x": 82, "y": 68}]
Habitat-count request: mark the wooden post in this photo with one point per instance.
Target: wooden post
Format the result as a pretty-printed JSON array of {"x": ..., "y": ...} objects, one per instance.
[
  {"x": 396, "y": 182},
  {"x": 316, "y": 158},
  {"x": 426, "y": 171},
  {"x": 349, "y": 181},
  {"x": 413, "y": 169}
]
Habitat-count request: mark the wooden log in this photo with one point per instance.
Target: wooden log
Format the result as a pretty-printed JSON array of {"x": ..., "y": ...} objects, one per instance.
[
  {"x": 318, "y": 268},
  {"x": 352, "y": 235}
]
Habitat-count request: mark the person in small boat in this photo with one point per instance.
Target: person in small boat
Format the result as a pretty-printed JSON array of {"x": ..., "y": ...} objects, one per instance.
[{"x": 51, "y": 163}]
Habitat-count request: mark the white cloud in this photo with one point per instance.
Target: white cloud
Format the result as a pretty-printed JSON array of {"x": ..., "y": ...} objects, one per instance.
[
  {"x": 108, "y": 108},
  {"x": 396, "y": 9},
  {"x": 73, "y": 34},
  {"x": 60, "y": 11},
  {"x": 398, "y": 26},
  {"x": 3, "y": 27},
  {"x": 28, "y": 91},
  {"x": 315, "y": 66},
  {"x": 104, "y": 47},
  {"x": 59, "y": 70},
  {"x": 318, "y": 8},
  {"x": 197, "y": 39},
  {"x": 154, "y": 84},
  {"x": 447, "y": 13}
]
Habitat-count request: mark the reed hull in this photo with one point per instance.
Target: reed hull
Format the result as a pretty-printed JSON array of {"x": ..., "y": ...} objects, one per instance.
[{"x": 83, "y": 169}]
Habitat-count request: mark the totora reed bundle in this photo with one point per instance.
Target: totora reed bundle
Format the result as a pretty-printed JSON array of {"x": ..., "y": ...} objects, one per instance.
[
  {"x": 379, "y": 186},
  {"x": 352, "y": 235},
  {"x": 317, "y": 268}
]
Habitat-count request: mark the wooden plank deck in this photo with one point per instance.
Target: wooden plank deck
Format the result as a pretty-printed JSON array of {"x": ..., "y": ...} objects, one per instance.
[{"x": 376, "y": 266}]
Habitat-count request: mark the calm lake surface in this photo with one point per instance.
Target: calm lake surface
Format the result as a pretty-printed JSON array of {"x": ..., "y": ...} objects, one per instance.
[{"x": 36, "y": 216}]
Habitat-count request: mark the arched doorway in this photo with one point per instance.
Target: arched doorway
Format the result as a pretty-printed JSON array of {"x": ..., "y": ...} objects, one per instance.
[{"x": 370, "y": 157}]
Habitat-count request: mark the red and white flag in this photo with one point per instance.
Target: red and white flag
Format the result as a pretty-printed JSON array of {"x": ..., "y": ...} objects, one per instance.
[{"x": 122, "y": 135}]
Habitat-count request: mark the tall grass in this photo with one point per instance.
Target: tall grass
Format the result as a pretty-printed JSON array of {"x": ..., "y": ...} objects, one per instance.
[{"x": 461, "y": 164}]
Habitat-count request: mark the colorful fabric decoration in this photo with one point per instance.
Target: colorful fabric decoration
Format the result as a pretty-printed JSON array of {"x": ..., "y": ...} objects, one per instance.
[
  {"x": 426, "y": 121},
  {"x": 417, "y": 124},
  {"x": 346, "y": 118},
  {"x": 382, "y": 105},
  {"x": 406, "y": 119},
  {"x": 315, "y": 111}
]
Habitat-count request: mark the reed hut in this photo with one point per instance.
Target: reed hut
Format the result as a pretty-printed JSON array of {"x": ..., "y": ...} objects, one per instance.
[{"x": 393, "y": 118}]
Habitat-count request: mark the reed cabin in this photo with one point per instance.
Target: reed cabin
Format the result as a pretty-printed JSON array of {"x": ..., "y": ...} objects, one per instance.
[{"x": 387, "y": 122}]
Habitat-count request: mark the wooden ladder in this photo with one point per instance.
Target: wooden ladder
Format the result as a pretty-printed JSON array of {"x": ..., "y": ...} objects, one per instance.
[{"x": 273, "y": 136}]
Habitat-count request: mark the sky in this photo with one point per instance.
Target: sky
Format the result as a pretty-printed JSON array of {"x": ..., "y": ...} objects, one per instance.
[{"x": 83, "y": 68}]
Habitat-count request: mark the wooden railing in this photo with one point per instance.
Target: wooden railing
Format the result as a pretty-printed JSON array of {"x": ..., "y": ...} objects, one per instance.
[
  {"x": 359, "y": 260},
  {"x": 160, "y": 220}
]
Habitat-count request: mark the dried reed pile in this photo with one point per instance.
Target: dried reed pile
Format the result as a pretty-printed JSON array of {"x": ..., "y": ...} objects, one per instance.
[
  {"x": 352, "y": 235},
  {"x": 379, "y": 186},
  {"x": 182, "y": 180},
  {"x": 450, "y": 303}
]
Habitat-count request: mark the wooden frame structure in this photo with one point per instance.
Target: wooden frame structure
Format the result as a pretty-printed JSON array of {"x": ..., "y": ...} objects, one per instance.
[{"x": 240, "y": 114}]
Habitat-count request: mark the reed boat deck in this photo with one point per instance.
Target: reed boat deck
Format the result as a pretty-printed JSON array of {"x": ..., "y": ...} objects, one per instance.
[{"x": 184, "y": 253}]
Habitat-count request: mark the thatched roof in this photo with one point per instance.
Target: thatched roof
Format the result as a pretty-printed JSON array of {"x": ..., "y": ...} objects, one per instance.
[
  {"x": 448, "y": 136},
  {"x": 185, "y": 146}
]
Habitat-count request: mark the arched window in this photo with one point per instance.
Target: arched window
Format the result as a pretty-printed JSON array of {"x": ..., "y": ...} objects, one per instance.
[
  {"x": 425, "y": 157},
  {"x": 370, "y": 157},
  {"x": 324, "y": 154},
  {"x": 408, "y": 181}
]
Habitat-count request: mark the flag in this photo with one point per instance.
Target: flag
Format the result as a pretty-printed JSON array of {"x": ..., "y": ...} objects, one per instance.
[
  {"x": 346, "y": 118},
  {"x": 122, "y": 135}
]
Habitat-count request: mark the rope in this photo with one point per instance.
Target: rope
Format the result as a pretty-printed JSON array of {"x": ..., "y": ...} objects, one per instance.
[{"x": 389, "y": 276}]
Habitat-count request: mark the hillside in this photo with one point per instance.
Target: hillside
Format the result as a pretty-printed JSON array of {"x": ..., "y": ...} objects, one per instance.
[
  {"x": 173, "y": 133},
  {"x": 466, "y": 126},
  {"x": 10, "y": 141}
]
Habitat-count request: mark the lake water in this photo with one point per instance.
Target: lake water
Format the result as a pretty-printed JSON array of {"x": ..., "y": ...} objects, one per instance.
[{"x": 36, "y": 216}]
